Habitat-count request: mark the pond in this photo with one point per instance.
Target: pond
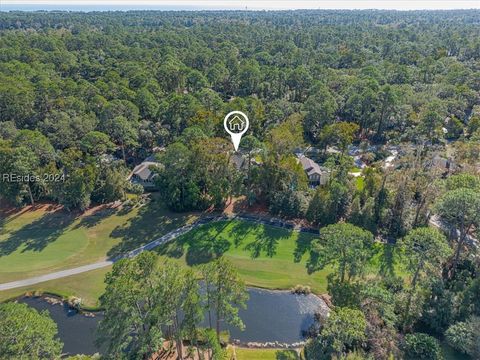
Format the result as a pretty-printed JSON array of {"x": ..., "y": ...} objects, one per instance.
[{"x": 270, "y": 316}]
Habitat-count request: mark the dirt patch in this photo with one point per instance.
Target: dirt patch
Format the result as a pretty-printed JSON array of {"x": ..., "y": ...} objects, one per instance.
[
  {"x": 99, "y": 208},
  {"x": 14, "y": 211},
  {"x": 240, "y": 205},
  {"x": 48, "y": 208}
]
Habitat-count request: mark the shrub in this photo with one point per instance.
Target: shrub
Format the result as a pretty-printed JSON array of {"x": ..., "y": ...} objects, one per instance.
[
  {"x": 301, "y": 289},
  {"x": 422, "y": 346},
  {"x": 463, "y": 336}
]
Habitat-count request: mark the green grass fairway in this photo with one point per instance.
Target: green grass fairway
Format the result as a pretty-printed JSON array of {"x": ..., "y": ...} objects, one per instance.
[
  {"x": 87, "y": 286},
  {"x": 265, "y": 256},
  {"x": 39, "y": 241},
  {"x": 265, "y": 354}
]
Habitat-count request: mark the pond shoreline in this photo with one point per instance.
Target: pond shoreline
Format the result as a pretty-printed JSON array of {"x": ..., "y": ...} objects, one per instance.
[
  {"x": 274, "y": 319},
  {"x": 97, "y": 309}
]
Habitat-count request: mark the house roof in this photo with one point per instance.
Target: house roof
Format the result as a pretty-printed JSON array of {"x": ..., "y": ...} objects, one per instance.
[
  {"x": 439, "y": 161},
  {"x": 311, "y": 167},
  {"x": 143, "y": 170}
]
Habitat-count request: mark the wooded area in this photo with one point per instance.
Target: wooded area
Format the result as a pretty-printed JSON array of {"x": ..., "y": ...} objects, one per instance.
[{"x": 84, "y": 97}]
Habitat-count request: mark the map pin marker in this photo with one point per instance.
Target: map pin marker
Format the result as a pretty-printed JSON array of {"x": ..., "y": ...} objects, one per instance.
[{"x": 236, "y": 124}]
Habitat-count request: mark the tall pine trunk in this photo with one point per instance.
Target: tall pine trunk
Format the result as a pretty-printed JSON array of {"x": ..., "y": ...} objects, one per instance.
[
  {"x": 461, "y": 241},
  {"x": 30, "y": 195}
]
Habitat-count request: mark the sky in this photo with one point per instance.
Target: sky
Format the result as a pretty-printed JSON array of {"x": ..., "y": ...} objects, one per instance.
[{"x": 238, "y": 4}]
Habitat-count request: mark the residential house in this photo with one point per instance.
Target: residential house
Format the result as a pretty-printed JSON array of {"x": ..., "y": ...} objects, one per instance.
[
  {"x": 239, "y": 161},
  {"x": 317, "y": 175},
  {"x": 142, "y": 173}
]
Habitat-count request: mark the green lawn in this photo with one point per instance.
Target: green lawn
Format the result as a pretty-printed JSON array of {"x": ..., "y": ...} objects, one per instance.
[
  {"x": 265, "y": 256},
  {"x": 87, "y": 286},
  {"x": 359, "y": 183},
  {"x": 265, "y": 354},
  {"x": 40, "y": 241}
]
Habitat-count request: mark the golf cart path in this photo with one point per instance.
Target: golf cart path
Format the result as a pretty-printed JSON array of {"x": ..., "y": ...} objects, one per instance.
[{"x": 153, "y": 244}]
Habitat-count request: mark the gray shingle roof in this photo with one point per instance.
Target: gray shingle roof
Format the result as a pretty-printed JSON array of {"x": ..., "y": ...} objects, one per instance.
[
  {"x": 143, "y": 170},
  {"x": 311, "y": 167}
]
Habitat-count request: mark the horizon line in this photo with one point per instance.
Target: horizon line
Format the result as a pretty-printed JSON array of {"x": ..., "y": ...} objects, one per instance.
[{"x": 251, "y": 5}]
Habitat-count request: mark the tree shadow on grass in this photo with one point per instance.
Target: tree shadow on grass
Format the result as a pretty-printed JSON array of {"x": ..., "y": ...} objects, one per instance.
[
  {"x": 201, "y": 252},
  {"x": 10, "y": 213},
  {"x": 266, "y": 241},
  {"x": 302, "y": 245},
  {"x": 152, "y": 221},
  {"x": 205, "y": 243},
  {"x": 387, "y": 260},
  {"x": 95, "y": 218},
  {"x": 239, "y": 231},
  {"x": 36, "y": 235},
  {"x": 201, "y": 245},
  {"x": 7, "y": 215},
  {"x": 173, "y": 249}
]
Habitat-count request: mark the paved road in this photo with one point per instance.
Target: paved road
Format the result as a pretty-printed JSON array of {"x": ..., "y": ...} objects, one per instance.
[{"x": 162, "y": 240}]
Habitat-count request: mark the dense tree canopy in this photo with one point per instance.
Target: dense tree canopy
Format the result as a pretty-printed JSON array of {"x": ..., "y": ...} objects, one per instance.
[
  {"x": 386, "y": 101},
  {"x": 121, "y": 84},
  {"x": 27, "y": 334}
]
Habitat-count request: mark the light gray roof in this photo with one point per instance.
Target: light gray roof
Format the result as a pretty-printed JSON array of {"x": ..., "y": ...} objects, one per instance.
[
  {"x": 440, "y": 161},
  {"x": 311, "y": 167},
  {"x": 143, "y": 170}
]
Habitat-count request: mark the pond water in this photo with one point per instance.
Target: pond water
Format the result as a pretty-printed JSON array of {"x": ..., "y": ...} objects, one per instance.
[
  {"x": 270, "y": 316},
  {"x": 76, "y": 331}
]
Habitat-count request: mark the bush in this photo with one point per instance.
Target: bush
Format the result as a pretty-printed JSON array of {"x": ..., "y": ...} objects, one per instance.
[
  {"x": 135, "y": 189},
  {"x": 454, "y": 128},
  {"x": 301, "y": 290},
  {"x": 422, "y": 346},
  {"x": 464, "y": 337},
  {"x": 74, "y": 302}
]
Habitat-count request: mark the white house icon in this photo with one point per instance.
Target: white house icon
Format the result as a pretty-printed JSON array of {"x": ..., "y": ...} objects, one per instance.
[{"x": 236, "y": 123}]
